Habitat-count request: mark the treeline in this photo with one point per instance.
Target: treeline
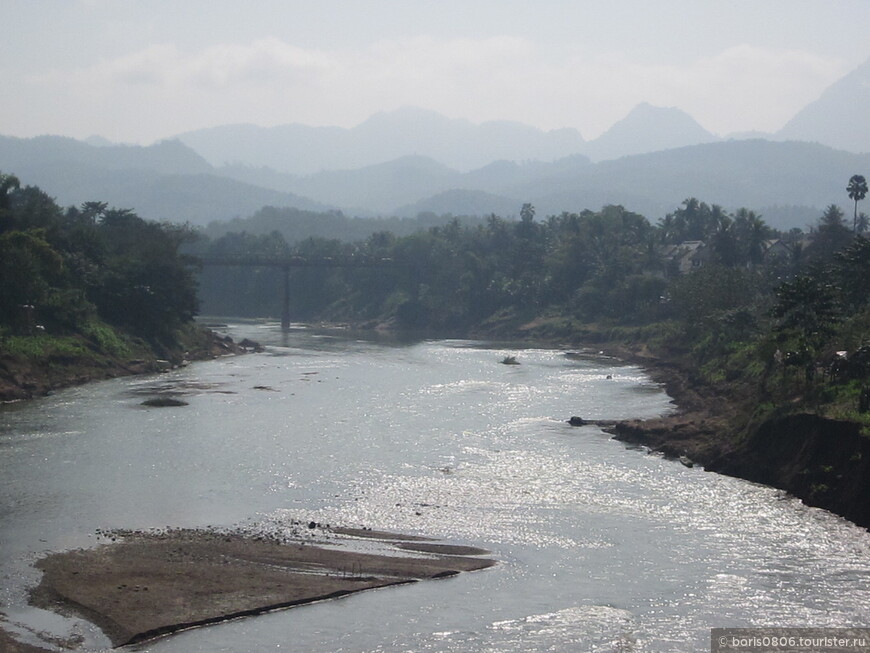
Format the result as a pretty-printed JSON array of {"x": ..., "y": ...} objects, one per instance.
[
  {"x": 610, "y": 265},
  {"x": 84, "y": 270},
  {"x": 297, "y": 224},
  {"x": 744, "y": 303}
]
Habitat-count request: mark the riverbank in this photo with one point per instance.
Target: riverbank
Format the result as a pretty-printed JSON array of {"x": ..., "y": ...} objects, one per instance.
[
  {"x": 46, "y": 365},
  {"x": 824, "y": 462},
  {"x": 142, "y": 585}
]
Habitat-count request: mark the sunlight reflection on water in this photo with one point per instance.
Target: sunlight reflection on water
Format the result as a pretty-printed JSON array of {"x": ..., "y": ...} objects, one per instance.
[{"x": 600, "y": 547}]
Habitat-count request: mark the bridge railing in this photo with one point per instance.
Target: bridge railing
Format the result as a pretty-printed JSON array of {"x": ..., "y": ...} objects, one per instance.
[
  {"x": 285, "y": 263},
  {"x": 298, "y": 261}
]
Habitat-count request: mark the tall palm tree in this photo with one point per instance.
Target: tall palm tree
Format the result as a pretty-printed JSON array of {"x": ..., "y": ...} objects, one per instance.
[
  {"x": 752, "y": 232},
  {"x": 857, "y": 190}
]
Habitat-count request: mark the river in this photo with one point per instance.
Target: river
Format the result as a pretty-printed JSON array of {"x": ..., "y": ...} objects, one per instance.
[{"x": 600, "y": 547}]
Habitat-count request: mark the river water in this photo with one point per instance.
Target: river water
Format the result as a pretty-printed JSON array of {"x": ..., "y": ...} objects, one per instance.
[{"x": 600, "y": 547}]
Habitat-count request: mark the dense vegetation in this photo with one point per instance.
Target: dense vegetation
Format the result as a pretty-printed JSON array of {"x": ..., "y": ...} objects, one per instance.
[
  {"x": 88, "y": 280},
  {"x": 780, "y": 316},
  {"x": 760, "y": 310}
]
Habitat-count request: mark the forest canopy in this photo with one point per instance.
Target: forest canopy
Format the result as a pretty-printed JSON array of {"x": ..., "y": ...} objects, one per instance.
[
  {"x": 69, "y": 270},
  {"x": 738, "y": 297}
]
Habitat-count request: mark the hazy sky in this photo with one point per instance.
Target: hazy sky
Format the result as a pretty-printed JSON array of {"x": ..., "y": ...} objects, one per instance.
[{"x": 142, "y": 70}]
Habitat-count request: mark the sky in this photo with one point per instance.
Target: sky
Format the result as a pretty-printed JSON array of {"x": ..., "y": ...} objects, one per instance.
[{"x": 139, "y": 71}]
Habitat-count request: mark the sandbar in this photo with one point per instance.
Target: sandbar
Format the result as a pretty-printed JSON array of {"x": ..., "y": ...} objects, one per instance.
[{"x": 148, "y": 584}]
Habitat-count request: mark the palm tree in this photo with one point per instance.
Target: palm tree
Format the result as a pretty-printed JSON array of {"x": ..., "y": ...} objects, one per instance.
[
  {"x": 752, "y": 232},
  {"x": 857, "y": 190}
]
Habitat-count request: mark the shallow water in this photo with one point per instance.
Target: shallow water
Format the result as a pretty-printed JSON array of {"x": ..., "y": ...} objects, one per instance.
[{"x": 601, "y": 547}]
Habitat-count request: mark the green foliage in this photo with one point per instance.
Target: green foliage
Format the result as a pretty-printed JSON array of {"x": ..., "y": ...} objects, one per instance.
[
  {"x": 60, "y": 269},
  {"x": 106, "y": 338},
  {"x": 850, "y": 272},
  {"x": 766, "y": 327},
  {"x": 831, "y": 235},
  {"x": 43, "y": 346},
  {"x": 857, "y": 190},
  {"x": 29, "y": 268}
]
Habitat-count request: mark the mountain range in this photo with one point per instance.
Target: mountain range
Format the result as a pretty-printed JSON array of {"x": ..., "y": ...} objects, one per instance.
[
  {"x": 834, "y": 119},
  {"x": 413, "y": 161},
  {"x": 300, "y": 149},
  {"x": 165, "y": 181}
]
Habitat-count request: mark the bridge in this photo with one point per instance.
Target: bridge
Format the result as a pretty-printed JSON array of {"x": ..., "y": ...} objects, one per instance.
[{"x": 287, "y": 262}]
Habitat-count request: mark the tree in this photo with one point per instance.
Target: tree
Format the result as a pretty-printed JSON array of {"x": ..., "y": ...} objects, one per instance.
[
  {"x": 831, "y": 234},
  {"x": 8, "y": 183},
  {"x": 143, "y": 283},
  {"x": 850, "y": 270},
  {"x": 527, "y": 212},
  {"x": 29, "y": 269},
  {"x": 857, "y": 190},
  {"x": 806, "y": 312},
  {"x": 751, "y": 232}
]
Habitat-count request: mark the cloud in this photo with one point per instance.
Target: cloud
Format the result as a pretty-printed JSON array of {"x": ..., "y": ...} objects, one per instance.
[
  {"x": 264, "y": 61},
  {"x": 741, "y": 88},
  {"x": 218, "y": 67},
  {"x": 270, "y": 81},
  {"x": 768, "y": 85}
]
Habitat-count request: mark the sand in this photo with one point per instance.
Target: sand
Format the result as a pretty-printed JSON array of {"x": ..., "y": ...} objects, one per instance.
[{"x": 144, "y": 584}]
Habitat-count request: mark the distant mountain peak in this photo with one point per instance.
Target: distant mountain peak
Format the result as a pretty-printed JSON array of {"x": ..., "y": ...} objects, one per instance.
[
  {"x": 647, "y": 111},
  {"x": 838, "y": 117},
  {"x": 410, "y": 114},
  {"x": 648, "y": 128}
]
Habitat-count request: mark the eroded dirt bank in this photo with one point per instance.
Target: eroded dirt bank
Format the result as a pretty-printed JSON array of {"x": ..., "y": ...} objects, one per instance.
[{"x": 823, "y": 462}]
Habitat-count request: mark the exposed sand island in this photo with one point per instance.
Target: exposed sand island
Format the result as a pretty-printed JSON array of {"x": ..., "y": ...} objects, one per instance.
[{"x": 149, "y": 584}]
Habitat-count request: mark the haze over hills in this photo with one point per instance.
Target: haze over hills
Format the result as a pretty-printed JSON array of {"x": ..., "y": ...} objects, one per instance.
[
  {"x": 648, "y": 129},
  {"x": 839, "y": 117},
  {"x": 29, "y": 155},
  {"x": 771, "y": 178},
  {"x": 459, "y": 144},
  {"x": 789, "y": 182},
  {"x": 410, "y": 161},
  {"x": 165, "y": 181}
]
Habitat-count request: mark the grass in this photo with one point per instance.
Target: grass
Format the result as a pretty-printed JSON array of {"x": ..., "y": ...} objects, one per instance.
[
  {"x": 107, "y": 339},
  {"x": 95, "y": 340},
  {"x": 43, "y": 346}
]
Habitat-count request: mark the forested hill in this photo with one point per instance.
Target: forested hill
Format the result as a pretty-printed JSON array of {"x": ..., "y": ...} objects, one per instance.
[
  {"x": 165, "y": 181},
  {"x": 789, "y": 183}
]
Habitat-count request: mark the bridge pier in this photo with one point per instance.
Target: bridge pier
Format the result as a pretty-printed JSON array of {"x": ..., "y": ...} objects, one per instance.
[
  {"x": 285, "y": 312},
  {"x": 285, "y": 263}
]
